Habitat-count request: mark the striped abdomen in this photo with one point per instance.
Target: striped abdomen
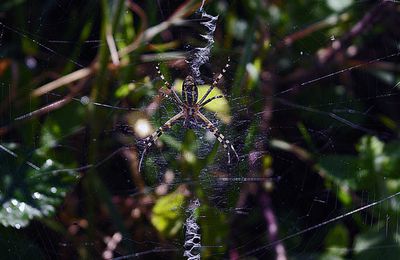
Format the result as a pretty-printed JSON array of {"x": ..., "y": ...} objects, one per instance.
[{"x": 189, "y": 91}]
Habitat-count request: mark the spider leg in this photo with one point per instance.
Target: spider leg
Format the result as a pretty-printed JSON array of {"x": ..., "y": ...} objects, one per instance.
[
  {"x": 168, "y": 85},
  {"x": 215, "y": 82},
  {"x": 165, "y": 95},
  {"x": 151, "y": 139},
  {"x": 210, "y": 99},
  {"x": 220, "y": 137}
]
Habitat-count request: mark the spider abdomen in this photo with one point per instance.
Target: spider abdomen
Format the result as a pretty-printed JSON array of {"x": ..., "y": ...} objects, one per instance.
[{"x": 189, "y": 91}]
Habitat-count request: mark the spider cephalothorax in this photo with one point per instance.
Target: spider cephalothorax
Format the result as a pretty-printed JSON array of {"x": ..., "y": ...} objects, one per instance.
[{"x": 190, "y": 112}]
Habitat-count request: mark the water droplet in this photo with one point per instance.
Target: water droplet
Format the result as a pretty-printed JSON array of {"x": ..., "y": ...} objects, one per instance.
[
  {"x": 31, "y": 62},
  {"x": 22, "y": 207},
  {"x": 37, "y": 195},
  {"x": 53, "y": 189},
  {"x": 48, "y": 163},
  {"x": 17, "y": 226},
  {"x": 85, "y": 100},
  {"x": 301, "y": 53}
]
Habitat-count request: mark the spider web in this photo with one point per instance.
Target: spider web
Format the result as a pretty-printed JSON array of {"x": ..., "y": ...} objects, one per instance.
[{"x": 319, "y": 158}]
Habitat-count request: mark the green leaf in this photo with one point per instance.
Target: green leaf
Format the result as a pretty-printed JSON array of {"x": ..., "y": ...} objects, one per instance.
[
  {"x": 384, "y": 76},
  {"x": 379, "y": 158},
  {"x": 210, "y": 235},
  {"x": 124, "y": 90},
  {"x": 344, "y": 196},
  {"x": 342, "y": 169},
  {"x": 189, "y": 147},
  {"x": 61, "y": 124},
  {"x": 388, "y": 122},
  {"x": 376, "y": 245},
  {"x": 167, "y": 215},
  {"x": 375, "y": 161},
  {"x": 330, "y": 257},
  {"x": 392, "y": 165},
  {"x": 371, "y": 153},
  {"x": 339, "y": 5},
  {"x": 337, "y": 240},
  {"x": 27, "y": 193}
]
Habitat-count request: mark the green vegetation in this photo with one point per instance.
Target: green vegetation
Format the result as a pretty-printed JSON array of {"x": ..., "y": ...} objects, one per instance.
[{"x": 311, "y": 101}]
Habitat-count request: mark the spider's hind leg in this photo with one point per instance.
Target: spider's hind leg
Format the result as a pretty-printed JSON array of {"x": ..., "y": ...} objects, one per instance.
[
  {"x": 220, "y": 137},
  {"x": 151, "y": 139}
]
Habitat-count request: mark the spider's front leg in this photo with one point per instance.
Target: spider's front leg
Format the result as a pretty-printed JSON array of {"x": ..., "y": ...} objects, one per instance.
[
  {"x": 220, "y": 137},
  {"x": 214, "y": 84},
  {"x": 150, "y": 140},
  {"x": 169, "y": 87},
  {"x": 210, "y": 99}
]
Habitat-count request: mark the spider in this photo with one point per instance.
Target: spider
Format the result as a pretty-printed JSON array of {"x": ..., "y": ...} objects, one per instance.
[{"x": 190, "y": 111}]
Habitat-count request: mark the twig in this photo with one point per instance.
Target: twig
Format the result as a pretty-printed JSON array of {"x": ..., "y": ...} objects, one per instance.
[
  {"x": 264, "y": 199},
  {"x": 269, "y": 216},
  {"x": 329, "y": 21},
  {"x": 149, "y": 34},
  {"x": 112, "y": 47},
  {"x": 139, "y": 11},
  {"x": 369, "y": 19},
  {"x": 175, "y": 19},
  {"x": 64, "y": 80},
  {"x": 46, "y": 109}
]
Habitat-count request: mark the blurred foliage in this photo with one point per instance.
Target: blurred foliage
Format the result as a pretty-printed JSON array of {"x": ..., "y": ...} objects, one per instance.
[
  {"x": 375, "y": 168},
  {"x": 167, "y": 215},
  {"x": 27, "y": 192},
  {"x": 310, "y": 103}
]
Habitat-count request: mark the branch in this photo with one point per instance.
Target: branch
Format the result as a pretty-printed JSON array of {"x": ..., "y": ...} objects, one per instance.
[
  {"x": 146, "y": 36},
  {"x": 370, "y": 18}
]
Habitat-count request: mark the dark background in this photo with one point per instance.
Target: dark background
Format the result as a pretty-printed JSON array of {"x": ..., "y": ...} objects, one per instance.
[{"x": 313, "y": 94}]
